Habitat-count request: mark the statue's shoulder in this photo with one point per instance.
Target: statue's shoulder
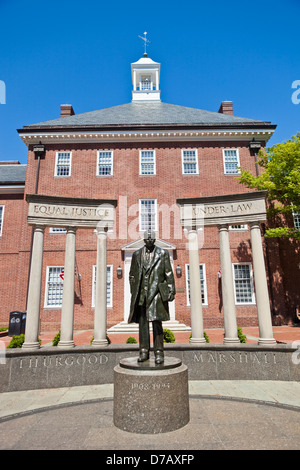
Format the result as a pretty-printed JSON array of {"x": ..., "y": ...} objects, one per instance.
[{"x": 138, "y": 252}]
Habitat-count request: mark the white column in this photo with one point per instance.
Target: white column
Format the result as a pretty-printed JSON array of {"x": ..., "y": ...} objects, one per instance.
[
  {"x": 195, "y": 289},
  {"x": 156, "y": 78},
  {"x": 134, "y": 80},
  {"x": 261, "y": 287},
  {"x": 101, "y": 291},
  {"x": 230, "y": 325},
  {"x": 67, "y": 311},
  {"x": 34, "y": 292}
]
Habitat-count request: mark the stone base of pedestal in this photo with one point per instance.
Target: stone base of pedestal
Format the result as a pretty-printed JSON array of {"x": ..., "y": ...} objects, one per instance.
[{"x": 151, "y": 399}]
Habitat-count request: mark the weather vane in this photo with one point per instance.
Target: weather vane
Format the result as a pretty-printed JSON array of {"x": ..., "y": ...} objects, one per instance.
[{"x": 146, "y": 42}]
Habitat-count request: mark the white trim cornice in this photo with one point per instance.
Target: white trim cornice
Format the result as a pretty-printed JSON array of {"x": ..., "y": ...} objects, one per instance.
[{"x": 146, "y": 136}]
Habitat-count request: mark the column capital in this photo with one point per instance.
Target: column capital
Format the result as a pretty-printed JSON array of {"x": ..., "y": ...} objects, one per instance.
[
  {"x": 39, "y": 228},
  {"x": 223, "y": 227},
  {"x": 71, "y": 229},
  {"x": 255, "y": 224}
]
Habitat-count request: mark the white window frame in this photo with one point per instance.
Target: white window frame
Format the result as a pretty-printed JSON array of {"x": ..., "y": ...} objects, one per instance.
[
  {"x": 187, "y": 284},
  {"x": 111, "y": 164},
  {"x": 148, "y": 81},
  {"x": 141, "y": 228},
  {"x": 252, "y": 302},
  {"x": 57, "y": 230},
  {"x": 56, "y": 165},
  {"x": 141, "y": 163},
  {"x": 183, "y": 162},
  {"x": 1, "y": 219},
  {"x": 47, "y": 288},
  {"x": 109, "y": 268},
  {"x": 238, "y": 227},
  {"x": 296, "y": 218},
  {"x": 238, "y": 171}
]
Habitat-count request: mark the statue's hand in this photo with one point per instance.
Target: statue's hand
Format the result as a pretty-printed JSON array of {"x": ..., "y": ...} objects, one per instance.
[{"x": 171, "y": 297}]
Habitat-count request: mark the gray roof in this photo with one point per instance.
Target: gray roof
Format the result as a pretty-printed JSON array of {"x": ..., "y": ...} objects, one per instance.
[
  {"x": 12, "y": 174},
  {"x": 145, "y": 113}
]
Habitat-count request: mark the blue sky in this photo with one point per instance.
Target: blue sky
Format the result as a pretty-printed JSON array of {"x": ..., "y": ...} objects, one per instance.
[{"x": 79, "y": 52}]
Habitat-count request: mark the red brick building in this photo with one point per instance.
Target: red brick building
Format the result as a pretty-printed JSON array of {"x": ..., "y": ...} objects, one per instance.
[{"x": 145, "y": 154}]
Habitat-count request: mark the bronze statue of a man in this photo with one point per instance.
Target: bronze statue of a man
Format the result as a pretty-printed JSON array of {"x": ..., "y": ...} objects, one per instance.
[{"x": 152, "y": 287}]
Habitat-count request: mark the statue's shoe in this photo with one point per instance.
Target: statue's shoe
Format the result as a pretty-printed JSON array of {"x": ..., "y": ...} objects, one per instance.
[
  {"x": 159, "y": 357},
  {"x": 144, "y": 356}
]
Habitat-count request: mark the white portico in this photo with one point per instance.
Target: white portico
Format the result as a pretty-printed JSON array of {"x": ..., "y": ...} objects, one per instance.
[
  {"x": 223, "y": 211},
  {"x": 70, "y": 213}
]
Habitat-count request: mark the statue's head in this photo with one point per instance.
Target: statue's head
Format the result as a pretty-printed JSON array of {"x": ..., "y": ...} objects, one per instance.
[{"x": 149, "y": 238}]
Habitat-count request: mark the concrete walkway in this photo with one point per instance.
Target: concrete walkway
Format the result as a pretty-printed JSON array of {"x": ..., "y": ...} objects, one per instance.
[
  {"x": 223, "y": 415},
  {"x": 271, "y": 392}
]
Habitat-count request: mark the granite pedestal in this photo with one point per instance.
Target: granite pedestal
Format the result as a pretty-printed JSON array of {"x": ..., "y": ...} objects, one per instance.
[{"x": 150, "y": 398}]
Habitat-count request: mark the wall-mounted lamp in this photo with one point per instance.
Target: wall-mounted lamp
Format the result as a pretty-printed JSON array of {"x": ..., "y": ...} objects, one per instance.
[
  {"x": 79, "y": 277},
  {"x": 178, "y": 271},
  {"x": 119, "y": 272},
  {"x": 254, "y": 145}
]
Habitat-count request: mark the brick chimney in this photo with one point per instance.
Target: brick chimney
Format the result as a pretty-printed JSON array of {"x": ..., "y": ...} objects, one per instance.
[
  {"x": 226, "y": 107},
  {"x": 66, "y": 110}
]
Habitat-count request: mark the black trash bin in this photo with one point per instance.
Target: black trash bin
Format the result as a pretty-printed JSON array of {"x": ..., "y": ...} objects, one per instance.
[{"x": 17, "y": 322}]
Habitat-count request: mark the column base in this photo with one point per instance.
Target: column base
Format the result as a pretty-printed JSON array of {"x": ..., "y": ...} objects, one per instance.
[
  {"x": 66, "y": 344},
  {"x": 265, "y": 341},
  {"x": 231, "y": 341},
  {"x": 100, "y": 342},
  {"x": 197, "y": 341},
  {"x": 33, "y": 345}
]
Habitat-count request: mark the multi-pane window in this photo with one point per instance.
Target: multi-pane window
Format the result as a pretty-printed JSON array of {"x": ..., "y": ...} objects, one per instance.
[
  {"x": 146, "y": 83},
  {"x": 147, "y": 162},
  {"x": 57, "y": 230},
  {"x": 238, "y": 227},
  {"x": 202, "y": 281},
  {"x": 148, "y": 215},
  {"x": 108, "y": 286},
  {"x": 54, "y": 286},
  {"x": 1, "y": 218},
  {"x": 296, "y": 216},
  {"x": 105, "y": 163},
  {"x": 231, "y": 161},
  {"x": 63, "y": 164},
  {"x": 243, "y": 283},
  {"x": 190, "y": 162}
]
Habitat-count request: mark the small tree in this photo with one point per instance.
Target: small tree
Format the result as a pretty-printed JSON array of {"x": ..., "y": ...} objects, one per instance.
[{"x": 281, "y": 179}]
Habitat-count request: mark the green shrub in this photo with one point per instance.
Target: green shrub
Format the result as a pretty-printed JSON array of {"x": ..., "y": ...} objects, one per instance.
[
  {"x": 56, "y": 339},
  {"x": 17, "y": 341},
  {"x": 242, "y": 338},
  {"x": 131, "y": 340},
  {"x": 168, "y": 336},
  {"x": 206, "y": 336}
]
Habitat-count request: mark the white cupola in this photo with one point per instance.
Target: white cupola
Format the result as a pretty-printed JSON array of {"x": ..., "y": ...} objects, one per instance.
[{"x": 145, "y": 79}]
